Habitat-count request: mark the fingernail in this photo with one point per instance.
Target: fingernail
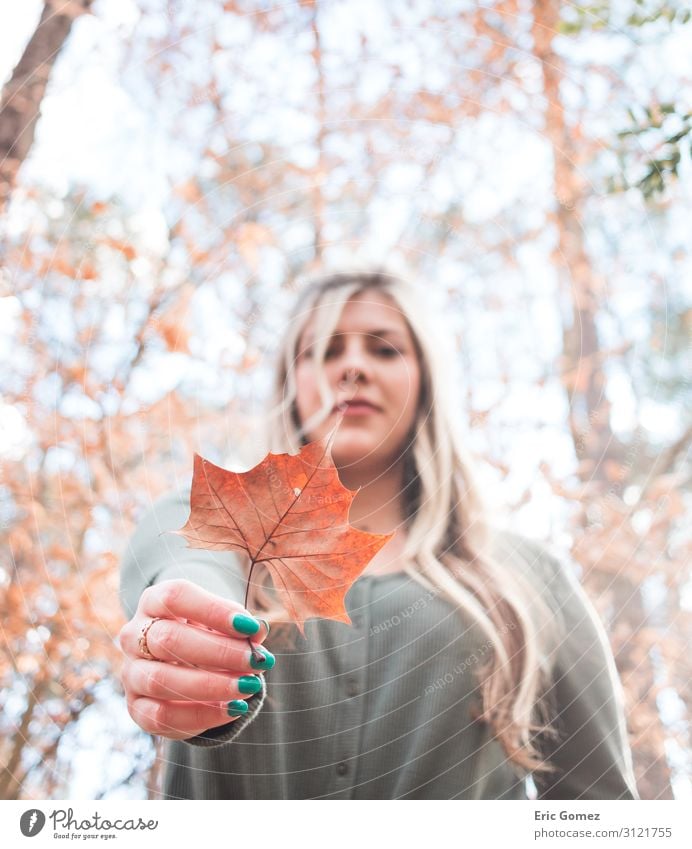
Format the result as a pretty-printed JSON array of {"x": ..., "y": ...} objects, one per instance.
[
  {"x": 237, "y": 707},
  {"x": 267, "y": 624},
  {"x": 269, "y": 661},
  {"x": 245, "y": 624},
  {"x": 249, "y": 684}
]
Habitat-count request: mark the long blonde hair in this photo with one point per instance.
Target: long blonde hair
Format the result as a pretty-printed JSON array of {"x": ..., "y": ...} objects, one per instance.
[{"x": 449, "y": 547}]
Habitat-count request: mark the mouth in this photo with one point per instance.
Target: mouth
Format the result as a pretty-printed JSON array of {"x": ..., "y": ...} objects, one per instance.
[{"x": 352, "y": 408}]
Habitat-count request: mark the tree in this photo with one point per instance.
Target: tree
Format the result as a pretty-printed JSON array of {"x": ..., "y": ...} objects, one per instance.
[
  {"x": 20, "y": 104},
  {"x": 619, "y": 562}
]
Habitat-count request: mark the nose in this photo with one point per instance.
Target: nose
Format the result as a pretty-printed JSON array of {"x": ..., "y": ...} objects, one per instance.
[{"x": 352, "y": 365}]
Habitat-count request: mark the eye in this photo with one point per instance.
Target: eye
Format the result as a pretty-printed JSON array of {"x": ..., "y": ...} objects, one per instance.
[
  {"x": 388, "y": 351},
  {"x": 306, "y": 353}
]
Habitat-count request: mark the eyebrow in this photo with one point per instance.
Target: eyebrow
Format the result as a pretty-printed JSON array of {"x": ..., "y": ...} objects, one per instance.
[{"x": 382, "y": 331}]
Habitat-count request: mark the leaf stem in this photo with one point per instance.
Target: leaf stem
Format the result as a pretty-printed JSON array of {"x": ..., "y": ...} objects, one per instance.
[{"x": 256, "y": 653}]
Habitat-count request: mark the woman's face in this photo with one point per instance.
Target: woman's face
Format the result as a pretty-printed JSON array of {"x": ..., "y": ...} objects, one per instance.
[{"x": 372, "y": 343}]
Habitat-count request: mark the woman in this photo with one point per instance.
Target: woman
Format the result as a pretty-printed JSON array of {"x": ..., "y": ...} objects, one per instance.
[{"x": 474, "y": 659}]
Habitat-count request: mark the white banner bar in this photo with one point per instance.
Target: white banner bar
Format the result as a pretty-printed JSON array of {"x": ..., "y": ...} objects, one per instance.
[{"x": 332, "y": 824}]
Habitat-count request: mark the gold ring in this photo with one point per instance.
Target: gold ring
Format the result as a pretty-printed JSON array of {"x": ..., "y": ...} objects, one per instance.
[{"x": 143, "y": 647}]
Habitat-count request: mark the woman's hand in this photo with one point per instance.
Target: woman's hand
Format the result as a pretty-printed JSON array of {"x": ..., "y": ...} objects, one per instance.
[{"x": 201, "y": 660}]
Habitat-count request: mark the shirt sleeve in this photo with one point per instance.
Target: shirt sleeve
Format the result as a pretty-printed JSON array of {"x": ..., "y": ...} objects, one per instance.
[
  {"x": 152, "y": 556},
  {"x": 591, "y": 753}
]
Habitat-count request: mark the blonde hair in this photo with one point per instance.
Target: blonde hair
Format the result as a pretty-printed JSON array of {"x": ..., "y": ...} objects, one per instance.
[{"x": 449, "y": 547}]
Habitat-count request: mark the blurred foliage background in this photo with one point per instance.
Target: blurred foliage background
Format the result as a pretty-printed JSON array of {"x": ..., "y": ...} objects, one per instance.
[{"x": 170, "y": 171}]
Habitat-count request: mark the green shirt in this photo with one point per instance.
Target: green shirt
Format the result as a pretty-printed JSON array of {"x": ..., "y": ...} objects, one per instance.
[{"x": 383, "y": 708}]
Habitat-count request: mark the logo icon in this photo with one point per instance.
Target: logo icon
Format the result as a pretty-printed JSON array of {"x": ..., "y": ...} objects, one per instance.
[{"x": 32, "y": 822}]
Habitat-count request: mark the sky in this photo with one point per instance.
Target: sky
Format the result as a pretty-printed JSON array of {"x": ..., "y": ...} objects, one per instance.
[{"x": 90, "y": 119}]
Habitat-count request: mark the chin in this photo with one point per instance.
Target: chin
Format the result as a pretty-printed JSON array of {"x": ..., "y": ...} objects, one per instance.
[
  {"x": 351, "y": 452},
  {"x": 351, "y": 446}
]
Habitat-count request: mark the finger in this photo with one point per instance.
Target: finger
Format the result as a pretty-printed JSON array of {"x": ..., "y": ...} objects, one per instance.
[
  {"x": 181, "y": 599},
  {"x": 170, "y": 640},
  {"x": 165, "y": 681},
  {"x": 177, "y": 720}
]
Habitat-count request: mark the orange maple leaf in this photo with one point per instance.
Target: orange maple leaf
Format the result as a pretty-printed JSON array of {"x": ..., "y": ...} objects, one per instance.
[{"x": 290, "y": 514}]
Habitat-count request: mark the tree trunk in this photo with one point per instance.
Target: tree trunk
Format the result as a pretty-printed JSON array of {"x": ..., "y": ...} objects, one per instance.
[
  {"x": 320, "y": 178},
  {"x": 22, "y": 96},
  {"x": 10, "y": 785},
  {"x": 584, "y": 380}
]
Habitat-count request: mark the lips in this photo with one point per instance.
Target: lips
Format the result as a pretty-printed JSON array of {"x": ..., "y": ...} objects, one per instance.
[{"x": 355, "y": 405}]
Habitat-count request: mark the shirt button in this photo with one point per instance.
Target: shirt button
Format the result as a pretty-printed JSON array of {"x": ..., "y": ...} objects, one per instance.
[
  {"x": 341, "y": 768},
  {"x": 352, "y": 688}
]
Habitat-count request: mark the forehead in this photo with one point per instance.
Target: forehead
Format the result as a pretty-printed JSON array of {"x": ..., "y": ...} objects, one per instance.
[{"x": 367, "y": 312}]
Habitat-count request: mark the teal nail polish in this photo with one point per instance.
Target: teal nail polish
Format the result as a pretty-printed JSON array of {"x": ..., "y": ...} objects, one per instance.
[
  {"x": 249, "y": 684},
  {"x": 270, "y": 660},
  {"x": 237, "y": 707},
  {"x": 245, "y": 624}
]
